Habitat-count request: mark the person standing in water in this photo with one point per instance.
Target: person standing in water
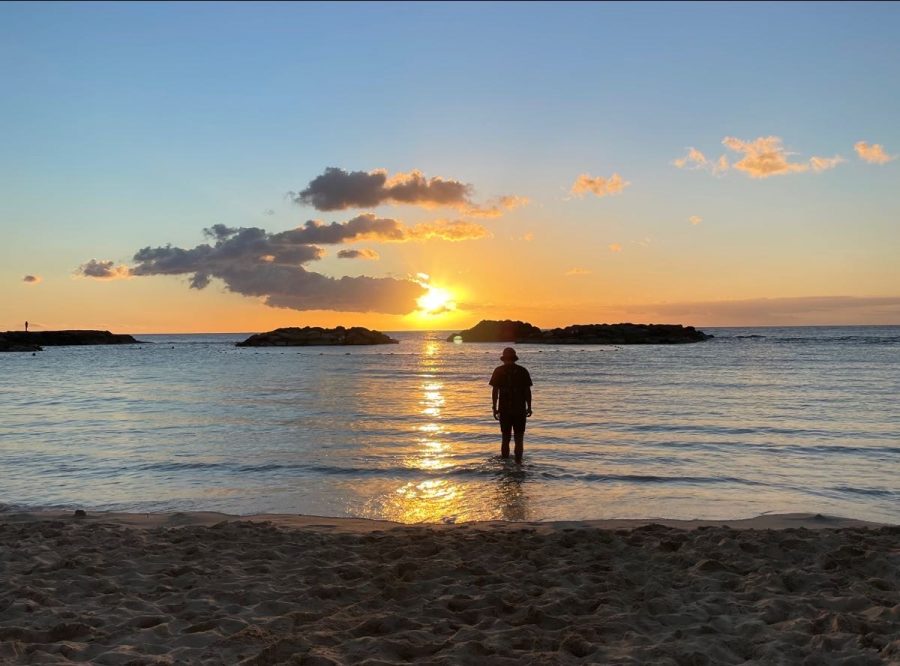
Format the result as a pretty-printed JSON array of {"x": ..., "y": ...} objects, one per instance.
[
  {"x": 26, "y": 327},
  {"x": 511, "y": 398}
]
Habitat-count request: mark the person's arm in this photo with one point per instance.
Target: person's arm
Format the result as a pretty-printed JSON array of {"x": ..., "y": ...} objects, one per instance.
[
  {"x": 495, "y": 393},
  {"x": 528, "y": 386}
]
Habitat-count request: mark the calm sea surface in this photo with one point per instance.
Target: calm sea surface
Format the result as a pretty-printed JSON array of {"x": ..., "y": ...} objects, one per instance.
[{"x": 754, "y": 421}]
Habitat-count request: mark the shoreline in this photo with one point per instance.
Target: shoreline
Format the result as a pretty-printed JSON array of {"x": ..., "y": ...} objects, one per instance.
[
  {"x": 154, "y": 520},
  {"x": 114, "y": 588}
]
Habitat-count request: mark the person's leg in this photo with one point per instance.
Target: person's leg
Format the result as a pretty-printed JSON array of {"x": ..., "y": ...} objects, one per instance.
[
  {"x": 506, "y": 434},
  {"x": 519, "y": 428}
]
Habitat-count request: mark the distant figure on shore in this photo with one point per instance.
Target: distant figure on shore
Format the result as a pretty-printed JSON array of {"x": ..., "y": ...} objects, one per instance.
[
  {"x": 511, "y": 398},
  {"x": 26, "y": 327}
]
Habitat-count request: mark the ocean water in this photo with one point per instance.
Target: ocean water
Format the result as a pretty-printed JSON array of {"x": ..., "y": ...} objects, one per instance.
[{"x": 755, "y": 421}]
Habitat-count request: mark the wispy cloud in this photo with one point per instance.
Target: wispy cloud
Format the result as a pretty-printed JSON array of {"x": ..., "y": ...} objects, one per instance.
[
  {"x": 695, "y": 219},
  {"x": 873, "y": 153},
  {"x": 103, "y": 270},
  {"x": 598, "y": 185},
  {"x": 363, "y": 253},
  {"x": 824, "y": 163},
  {"x": 762, "y": 157},
  {"x": 578, "y": 271},
  {"x": 693, "y": 160},
  {"x": 615, "y": 247},
  {"x": 496, "y": 207},
  {"x": 32, "y": 279}
]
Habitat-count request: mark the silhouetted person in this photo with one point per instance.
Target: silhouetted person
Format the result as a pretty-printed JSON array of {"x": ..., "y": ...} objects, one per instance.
[
  {"x": 26, "y": 327},
  {"x": 511, "y": 397}
]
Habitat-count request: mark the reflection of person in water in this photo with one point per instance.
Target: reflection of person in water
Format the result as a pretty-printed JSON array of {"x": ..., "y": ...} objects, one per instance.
[
  {"x": 511, "y": 498},
  {"x": 511, "y": 397}
]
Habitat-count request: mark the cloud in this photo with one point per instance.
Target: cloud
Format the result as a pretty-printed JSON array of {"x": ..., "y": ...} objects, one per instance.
[
  {"x": 872, "y": 153},
  {"x": 449, "y": 230},
  {"x": 721, "y": 165},
  {"x": 255, "y": 263},
  {"x": 824, "y": 163},
  {"x": 496, "y": 207},
  {"x": 615, "y": 247},
  {"x": 598, "y": 185},
  {"x": 765, "y": 156},
  {"x": 103, "y": 270},
  {"x": 33, "y": 279},
  {"x": 528, "y": 237},
  {"x": 695, "y": 219},
  {"x": 337, "y": 189},
  {"x": 268, "y": 211},
  {"x": 693, "y": 160},
  {"x": 369, "y": 226},
  {"x": 358, "y": 254},
  {"x": 578, "y": 271}
]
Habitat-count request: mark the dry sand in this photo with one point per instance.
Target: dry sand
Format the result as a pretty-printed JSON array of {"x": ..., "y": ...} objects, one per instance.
[{"x": 210, "y": 588}]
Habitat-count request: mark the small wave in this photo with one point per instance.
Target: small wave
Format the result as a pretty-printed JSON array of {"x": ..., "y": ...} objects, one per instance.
[{"x": 873, "y": 492}]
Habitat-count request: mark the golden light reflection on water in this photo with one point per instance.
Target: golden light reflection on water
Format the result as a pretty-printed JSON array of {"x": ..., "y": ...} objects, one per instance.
[
  {"x": 429, "y": 500},
  {"x": 435, "y": 496}
]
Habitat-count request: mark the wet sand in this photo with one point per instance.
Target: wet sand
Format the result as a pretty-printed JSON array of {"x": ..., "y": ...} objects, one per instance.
[{"x": 211, "y": 588}]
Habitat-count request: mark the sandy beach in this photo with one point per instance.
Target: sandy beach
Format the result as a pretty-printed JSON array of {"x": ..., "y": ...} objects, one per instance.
[{"x": 210, "y": 588}]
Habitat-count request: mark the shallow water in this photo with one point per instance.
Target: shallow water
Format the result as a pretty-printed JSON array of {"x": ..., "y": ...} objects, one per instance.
[{"x": 754, "y": 421}]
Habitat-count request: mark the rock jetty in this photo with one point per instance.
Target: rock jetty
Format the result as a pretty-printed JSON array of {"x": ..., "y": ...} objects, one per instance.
[
  {"x": 315, "y": 335},
  {"x": 489, "y": 330},
  {"x": 34, "y": 340},
  {"x": 581, "y": 334}
]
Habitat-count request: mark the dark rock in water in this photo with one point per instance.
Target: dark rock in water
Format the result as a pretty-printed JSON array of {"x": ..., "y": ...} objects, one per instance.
[
  {"x": 620, "y": 334},
  {"x": 315, "y": 335},
  {"x": 489, "y": 330},
  {"x": 7, "y": 346},
  {"x": 60, "y": 338},
  {"x": 582, "y": 334},
  {"x": 80, "y": 513}
]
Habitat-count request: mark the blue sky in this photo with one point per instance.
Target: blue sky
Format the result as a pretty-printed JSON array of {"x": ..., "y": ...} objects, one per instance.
[{"x": 128, "y": 125}]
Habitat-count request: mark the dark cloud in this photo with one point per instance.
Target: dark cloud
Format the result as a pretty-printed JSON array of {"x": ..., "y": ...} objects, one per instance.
[
  {"x": 103, "y": 270},
  {"x": 370, "y": 227},
  {"x": 337, "y": 189},
  {"x": 358, "y": 254},
  {"x": 32, "y": 279},
  {"x": 362, "y": 227},
  {"x": 252, "y": 262}
]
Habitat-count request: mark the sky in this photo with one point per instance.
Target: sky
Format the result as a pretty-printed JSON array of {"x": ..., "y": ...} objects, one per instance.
[{"x": 179, "y": 167}]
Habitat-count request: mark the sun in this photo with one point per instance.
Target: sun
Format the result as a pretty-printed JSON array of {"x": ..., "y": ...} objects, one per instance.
[{"x": 435, "y": 301}]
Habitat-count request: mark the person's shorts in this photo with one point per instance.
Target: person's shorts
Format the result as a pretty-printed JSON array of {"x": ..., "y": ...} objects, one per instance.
[{"x": 512, "y": 423}]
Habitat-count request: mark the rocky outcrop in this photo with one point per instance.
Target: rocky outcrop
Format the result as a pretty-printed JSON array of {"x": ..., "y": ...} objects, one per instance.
[
  {"x": 619, "y": 334},
  {"x": 582, "y": 334},
  {"x": 7, "y": 346},
  {"x": 488, "y": 330},
  {"x": 60, "y": 338},
  {"x": 315, "y": 335}
]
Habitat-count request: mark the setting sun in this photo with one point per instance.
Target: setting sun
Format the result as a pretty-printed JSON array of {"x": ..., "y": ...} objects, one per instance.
[{"x": 436, "y": 301}]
